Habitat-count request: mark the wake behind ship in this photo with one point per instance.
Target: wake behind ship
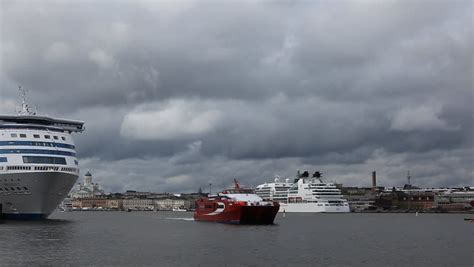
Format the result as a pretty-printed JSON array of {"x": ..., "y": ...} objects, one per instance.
[
  {"x": 38, "y": 164},
  {"x": 236, "y": 206}
]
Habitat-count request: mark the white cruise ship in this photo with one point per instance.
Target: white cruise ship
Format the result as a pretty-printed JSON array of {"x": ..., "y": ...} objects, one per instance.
[
  {"x": 307, "y": 194},
  {"x": 38, "y": 164},
  {"x": 276, "y": 191}
]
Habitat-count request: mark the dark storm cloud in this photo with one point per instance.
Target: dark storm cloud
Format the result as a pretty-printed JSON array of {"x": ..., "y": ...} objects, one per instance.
[{"x": 179, "y": 94}]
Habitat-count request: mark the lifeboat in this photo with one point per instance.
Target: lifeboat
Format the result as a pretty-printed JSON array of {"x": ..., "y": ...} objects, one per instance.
[{"x": 236, "y": 206}]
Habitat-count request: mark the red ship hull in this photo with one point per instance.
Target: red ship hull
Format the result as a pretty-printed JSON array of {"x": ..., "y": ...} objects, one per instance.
[{"x": 226, "y": 211}]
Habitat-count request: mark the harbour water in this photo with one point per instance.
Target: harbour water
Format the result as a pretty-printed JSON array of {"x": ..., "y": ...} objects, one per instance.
[{"x": 174, "y": 239}]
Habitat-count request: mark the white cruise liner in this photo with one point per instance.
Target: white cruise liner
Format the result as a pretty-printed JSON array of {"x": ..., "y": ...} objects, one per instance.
[
  {"x": 307, "y": 194},
  {"x": 276, "y": 191},
  {"x": 38, "y": 164}
]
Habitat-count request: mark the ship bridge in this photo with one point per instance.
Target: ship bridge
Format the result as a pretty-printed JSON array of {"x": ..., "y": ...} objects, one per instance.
[{"x": 40, "y": 122}]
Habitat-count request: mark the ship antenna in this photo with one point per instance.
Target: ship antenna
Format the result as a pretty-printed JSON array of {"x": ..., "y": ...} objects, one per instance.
[
  {"x": 237, "y": 186},
  {"x": 25, "y": 108}
]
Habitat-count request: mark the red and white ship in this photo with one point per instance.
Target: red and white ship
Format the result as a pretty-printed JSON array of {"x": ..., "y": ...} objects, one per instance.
[{"x": 236, "y": 206}]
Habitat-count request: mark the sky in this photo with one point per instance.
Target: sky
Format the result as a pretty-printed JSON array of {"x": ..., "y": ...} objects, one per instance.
[{"x": 177, "y": 95}]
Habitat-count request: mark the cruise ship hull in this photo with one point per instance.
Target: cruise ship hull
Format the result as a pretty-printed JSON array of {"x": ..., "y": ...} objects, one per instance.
[
  {"x": 33, "y": 195},
  {"x": 312, "y": 207}
]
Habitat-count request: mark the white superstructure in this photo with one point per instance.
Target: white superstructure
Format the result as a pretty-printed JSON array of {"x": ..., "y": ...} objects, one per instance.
[
  {"x": 38, "y": 164},
  {"x": 276, "y": 191},
  {"x": 309, "y": 194}
]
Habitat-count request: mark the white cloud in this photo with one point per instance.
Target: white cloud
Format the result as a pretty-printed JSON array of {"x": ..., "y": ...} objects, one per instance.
[
  {"x": 177, "y": 180},
  {"x": 419, "y": 118},
  {"x": 281, "y": 58},
  {"x": 101, "y": 58},
  {"x": 175, "y": 120}
]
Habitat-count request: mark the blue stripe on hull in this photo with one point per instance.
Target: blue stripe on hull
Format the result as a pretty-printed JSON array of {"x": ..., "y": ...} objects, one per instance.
[
  {"x": 23, "y": 216},
  {"x": 37, "y": 151}
]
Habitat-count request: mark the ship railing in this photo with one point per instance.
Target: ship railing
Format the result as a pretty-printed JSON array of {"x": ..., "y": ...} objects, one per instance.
[{"x": 259, "y": 203}]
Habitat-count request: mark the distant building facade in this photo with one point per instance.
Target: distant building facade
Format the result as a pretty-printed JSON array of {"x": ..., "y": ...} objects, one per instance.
[
  {"x": 455, "y": 201},
  {"x": 173, "y": 203},
  {"x": 88, "y": 189},
  {"x": 137, "y": 204},
  {"x": 416, "y": 200}
]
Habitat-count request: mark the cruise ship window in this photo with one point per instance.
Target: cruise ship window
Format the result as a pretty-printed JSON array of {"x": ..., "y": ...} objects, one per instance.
[
  {"x": 55, "y": 137},
  {"x": 64, "y": 138},
  {"x": 14, "y": 135},
  {"x": 47, "y": 136},
  {"x": 23, "y": 135},
  {"x": 36, "y": 136}
]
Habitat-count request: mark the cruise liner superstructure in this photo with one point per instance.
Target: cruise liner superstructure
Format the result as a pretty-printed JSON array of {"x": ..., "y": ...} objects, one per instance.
[
  {"x": 307, "y": 194},
  {"x": 38, "y": 164}
]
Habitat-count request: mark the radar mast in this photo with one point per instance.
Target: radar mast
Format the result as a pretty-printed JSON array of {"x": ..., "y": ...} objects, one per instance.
[{"x": 25, "y": 107}]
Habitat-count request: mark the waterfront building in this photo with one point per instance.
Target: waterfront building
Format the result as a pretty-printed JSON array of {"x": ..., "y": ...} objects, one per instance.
[
  {"x": 138, "y": 204},
  {"x": 455, "y": 200},
  {"x": 88, "y": 189},
  {"x": 76, "y": 204},
  {"x": 97, "y": 203},
  {"x": 360, "y": 198},
  {"x": 93, "y": 203},
  {"x": 415, "y": 200},
  {"x": 173, "y": 203},
  {"x": 137, "y": 194},
  {"x": 114, "y": 204}
]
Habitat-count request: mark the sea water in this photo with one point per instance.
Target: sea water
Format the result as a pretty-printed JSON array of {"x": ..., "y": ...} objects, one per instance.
[{"x": 175, "y": 239}]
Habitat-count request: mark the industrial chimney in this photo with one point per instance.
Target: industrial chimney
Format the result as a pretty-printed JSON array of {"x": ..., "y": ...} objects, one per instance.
[{"x": 374, "y": 181}]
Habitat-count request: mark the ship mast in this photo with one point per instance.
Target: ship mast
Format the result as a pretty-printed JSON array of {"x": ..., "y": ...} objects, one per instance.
[{"x": 25, "y": 107}]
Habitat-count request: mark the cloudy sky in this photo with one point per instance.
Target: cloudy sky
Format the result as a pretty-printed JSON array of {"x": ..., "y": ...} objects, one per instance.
[{"x": 180, "y": 94}]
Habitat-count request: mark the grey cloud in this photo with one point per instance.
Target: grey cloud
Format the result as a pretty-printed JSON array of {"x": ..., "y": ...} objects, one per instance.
[{"x": 294, "y": 84}]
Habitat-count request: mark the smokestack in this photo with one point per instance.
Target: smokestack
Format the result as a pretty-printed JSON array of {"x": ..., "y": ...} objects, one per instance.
[{"x": 374, "y": 181}]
